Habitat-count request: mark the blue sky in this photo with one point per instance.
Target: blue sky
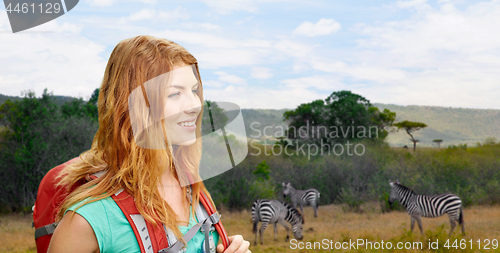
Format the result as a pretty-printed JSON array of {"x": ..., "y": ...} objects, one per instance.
[{"x": 277, "y": 53}]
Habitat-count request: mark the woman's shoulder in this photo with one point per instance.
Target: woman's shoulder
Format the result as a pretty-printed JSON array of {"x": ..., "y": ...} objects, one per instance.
[
  {"x": 94, "y": 205},
  {"x": 111, "y": 228}
]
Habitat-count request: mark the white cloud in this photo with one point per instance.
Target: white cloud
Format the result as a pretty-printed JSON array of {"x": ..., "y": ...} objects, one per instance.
[
  {"x": 102, "y": 3},
  {"x": 209, "y": 26},
  {"x": 261, "y": 73},
  {"x": 322, "y": 27},
  {"x": 258, "y": 97},
  {"x": 66, "y": 65},
  {"x": 439, "y": 56},
  {"x": 156, "y": 16},
  {"x": 228, "y": 6},
  {"x": 4, "y": 22},
  {"x": 107, "y": 3},
  {"x": 369, "y": 72},
  {"x": 142, "y": 14},
  {"x": 148, "y": 1},
  {"x": 439, "y": 31},
  {"x": 212, "y": 84},
  {"x": 219, "y": 58},
  {"x": 295, "y": 49},
  {"x": 201, "y": 26},
  {"x": 177, "y": 13},
  {"x": 327, "y": 83},
  {"x": 409, "y": 4},
  {"x": 198, "y": 38},
  {"x": 232, "y": 79}
]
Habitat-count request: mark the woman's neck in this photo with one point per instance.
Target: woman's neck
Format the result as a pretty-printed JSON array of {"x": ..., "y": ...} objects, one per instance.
[{"x": 175, "y": 196}]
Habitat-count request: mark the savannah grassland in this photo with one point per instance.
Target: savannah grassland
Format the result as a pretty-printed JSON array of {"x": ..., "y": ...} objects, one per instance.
[
  {"x": 333, "y": 223},
  {"x": 353, "y": 204}
]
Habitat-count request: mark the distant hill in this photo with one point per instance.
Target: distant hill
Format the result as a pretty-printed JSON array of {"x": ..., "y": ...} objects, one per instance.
[
  {"x": 452, "y": 125},
  {"x": 258, "y": 119},
  {"x": 59, "y": 100},
  {"x": 4, "y": 98}
]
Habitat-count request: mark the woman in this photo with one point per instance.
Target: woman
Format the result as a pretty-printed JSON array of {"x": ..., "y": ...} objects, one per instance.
[{"x": 147, "y": 144}]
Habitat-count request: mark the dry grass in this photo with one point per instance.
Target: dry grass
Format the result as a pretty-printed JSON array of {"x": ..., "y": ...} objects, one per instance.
[
  {"x": 333, "y": 223},
  {"x": 16, "y": 233}
]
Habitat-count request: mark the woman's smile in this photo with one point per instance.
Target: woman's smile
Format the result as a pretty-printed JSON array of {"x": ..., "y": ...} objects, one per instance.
[{"x": 188, "y": 125}]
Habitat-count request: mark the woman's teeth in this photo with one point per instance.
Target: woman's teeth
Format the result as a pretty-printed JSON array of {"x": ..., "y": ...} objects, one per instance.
[{"x": 187, "y": 124}]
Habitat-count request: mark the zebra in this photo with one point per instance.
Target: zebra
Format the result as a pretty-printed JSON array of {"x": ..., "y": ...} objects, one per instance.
[
  {"x": 301, "y": 197},
  {"x": 274, "y": 211},
  {"x": 419, "y": 206}
]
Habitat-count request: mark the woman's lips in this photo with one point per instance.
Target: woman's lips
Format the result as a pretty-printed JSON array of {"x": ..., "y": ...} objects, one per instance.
[{"x": 188, "y": 125}]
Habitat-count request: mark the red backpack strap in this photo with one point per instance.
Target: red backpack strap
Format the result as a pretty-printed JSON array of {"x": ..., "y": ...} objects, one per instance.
[
  {"x": 207, "y": 204},
  {"x": 151, "y": 237}
]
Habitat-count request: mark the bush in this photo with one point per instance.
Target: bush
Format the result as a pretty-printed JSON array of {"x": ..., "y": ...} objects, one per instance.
[{"x": 470, "y": 173}]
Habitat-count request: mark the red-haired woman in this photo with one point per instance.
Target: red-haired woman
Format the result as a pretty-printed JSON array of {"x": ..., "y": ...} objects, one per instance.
[{"x": 147, "y": 145}]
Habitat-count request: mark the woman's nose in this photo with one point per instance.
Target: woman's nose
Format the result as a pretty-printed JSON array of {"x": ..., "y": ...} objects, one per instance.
[{"x": 193, "y": 105}]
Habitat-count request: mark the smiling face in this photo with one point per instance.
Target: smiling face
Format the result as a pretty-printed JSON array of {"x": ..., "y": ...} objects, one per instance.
[{"x": 182, "y": 106}]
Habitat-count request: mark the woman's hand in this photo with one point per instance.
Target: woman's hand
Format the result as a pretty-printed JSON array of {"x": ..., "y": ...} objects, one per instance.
[{"x": 236, "y": 244}]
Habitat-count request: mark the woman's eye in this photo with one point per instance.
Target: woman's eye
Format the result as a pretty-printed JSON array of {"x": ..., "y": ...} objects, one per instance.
[
  {"x": 195, "y": 91},
  {"x": 174, "y": 95}
]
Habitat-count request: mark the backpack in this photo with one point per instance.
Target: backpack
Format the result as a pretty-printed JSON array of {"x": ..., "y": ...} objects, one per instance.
[{"x": 152, "y": 238}]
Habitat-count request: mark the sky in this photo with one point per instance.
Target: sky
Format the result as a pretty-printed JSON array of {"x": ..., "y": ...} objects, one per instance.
[{"x": 276, "y": 54}]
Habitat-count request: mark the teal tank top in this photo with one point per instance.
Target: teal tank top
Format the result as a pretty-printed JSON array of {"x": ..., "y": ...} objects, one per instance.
[{"x": 114, "y": 233}]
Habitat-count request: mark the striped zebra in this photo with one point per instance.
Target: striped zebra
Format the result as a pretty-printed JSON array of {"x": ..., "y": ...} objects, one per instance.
[
  {"x": 301, "y": 197},
  {"x": 419, "y": 206},
  {"x": 273, "y": 211}
]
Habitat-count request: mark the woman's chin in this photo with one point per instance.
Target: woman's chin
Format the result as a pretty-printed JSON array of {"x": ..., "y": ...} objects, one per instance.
[{"x": 186, "y": 143}]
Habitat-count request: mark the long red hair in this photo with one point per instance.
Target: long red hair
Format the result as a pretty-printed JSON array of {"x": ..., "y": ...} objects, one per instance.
[{"x": 127, "y": 166}]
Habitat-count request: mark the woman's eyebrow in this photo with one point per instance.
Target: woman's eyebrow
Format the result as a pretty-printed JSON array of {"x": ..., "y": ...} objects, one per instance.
[{"x": 181, "y": 87}]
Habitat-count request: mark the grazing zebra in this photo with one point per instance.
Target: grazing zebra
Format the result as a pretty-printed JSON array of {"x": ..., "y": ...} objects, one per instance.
[
  {"x": 428, "y": 206},
  {"x": 273, "y": 211},
  {"x": 301, "y": 197}
]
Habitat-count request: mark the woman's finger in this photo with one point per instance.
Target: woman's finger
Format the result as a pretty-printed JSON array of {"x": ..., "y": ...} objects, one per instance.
[
  {"x": 220, "y": 248},
  {"x": 244, "y": 247},
  {"x": 236, "y": 245}
]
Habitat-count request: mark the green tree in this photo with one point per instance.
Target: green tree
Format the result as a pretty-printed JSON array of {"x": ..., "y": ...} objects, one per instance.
[
  {"x": 263, "y": 187},
  {"x": 214, "y": 117},
  {"x": 79, "y": 108},
  {"x": 94, "y": 97},
  {"x": 490, "y": 141},
  {"x": 37, "y": 138},
  {"x": 438, "y": 142},
  {"x": 262, "y": 171},
  {"x": 410, "y": 127},
  {"x": 30, "y": 123},
  {"x": 347, "y": 109},
  {"x": 307, "y": 114},
  {"x": 341, "y": 117},
  {"x": 383, "y": 120}
]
